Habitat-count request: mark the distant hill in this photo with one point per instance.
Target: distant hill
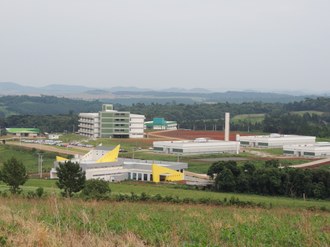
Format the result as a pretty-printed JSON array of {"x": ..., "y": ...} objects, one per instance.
[
  {"x": 125, "y": 97},
  {"x": 44, "y": 105},
  {"x": 130, "y": 95}
]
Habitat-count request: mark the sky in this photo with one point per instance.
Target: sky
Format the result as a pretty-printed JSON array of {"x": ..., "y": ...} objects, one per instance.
[{"x": 266, "y": 45}]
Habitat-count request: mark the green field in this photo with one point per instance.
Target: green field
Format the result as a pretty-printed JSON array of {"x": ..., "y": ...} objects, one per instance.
[
  {"x": 180, "y": 191},
  {"x": 60, "y": 222},
  {"x": 301, "y": 113},
  {"x": 28, "y": 157},
  {"x": 251, "y": 118}
]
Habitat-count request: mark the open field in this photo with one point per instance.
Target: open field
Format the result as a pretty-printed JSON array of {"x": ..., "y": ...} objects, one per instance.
[
  {"x": 61, "y": 222},
  {"x": 28, "y": 157},
  {"x": 301, "y": 113},
  {"x": 180, "y": 191},
  {"x": 193, "y": 134},
  {"x": 251, "y": 118}
]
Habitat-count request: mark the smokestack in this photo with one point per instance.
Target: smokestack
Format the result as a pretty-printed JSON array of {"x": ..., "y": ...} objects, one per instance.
[{"x": 227, "y": 126}]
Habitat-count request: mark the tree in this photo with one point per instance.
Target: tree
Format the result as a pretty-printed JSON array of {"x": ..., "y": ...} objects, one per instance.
[
  {"x": 225, "y": 181},
  {"x": 71, "y": 178},
  {"x": 96, "y": 188},
  {"x": 13, "y": 173}
]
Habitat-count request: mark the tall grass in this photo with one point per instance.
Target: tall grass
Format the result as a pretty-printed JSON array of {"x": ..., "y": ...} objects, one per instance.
[{"x": 62, "y": 222}]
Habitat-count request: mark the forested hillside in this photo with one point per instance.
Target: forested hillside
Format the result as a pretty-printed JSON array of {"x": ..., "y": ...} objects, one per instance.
[
  {"x": 44, "y": 105},
  {"x": 308, "y": 117}
]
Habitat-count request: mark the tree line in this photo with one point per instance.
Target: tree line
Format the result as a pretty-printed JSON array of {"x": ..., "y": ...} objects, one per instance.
[
  {"x": 52, "y": 114},
  {"x": 270, "y": 179}
]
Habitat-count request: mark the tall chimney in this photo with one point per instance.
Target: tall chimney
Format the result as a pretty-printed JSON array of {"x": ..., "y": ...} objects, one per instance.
[{"x": 227, "y": 126}]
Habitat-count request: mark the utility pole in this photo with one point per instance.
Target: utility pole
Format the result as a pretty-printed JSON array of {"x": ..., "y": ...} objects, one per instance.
[{"x": 40, "y": 164}]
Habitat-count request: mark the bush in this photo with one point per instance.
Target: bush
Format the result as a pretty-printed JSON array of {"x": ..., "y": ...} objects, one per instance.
[
  {"x": 39, "y": 192},
  {"x": 96, "y": 189}
]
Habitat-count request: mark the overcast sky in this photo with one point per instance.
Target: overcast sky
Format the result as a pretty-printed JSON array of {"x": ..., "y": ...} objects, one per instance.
[{"x": 223, "y": 44}]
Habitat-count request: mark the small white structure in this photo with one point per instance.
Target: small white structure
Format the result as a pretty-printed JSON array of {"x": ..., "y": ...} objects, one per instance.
[
  {"x": 319, "y": 149},
  {"x": 53, "y": 136},
  {"x": 274, "y": 140},
  {"x": 197, "y": 146}
]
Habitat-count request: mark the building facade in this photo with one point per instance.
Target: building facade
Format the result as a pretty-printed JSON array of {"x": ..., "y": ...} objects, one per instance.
[
  {"x": 103, "y": 163},
  {"x": 110, "y": 123},
  {"x": 24, "y": 132},
  {"x": 198, "y": 146},
  {"x": 89, "y": 125},
  {"x": 274, "y": 140},
  {"x": 161, "y": 124},
  {"x": 317, "y": 150}
]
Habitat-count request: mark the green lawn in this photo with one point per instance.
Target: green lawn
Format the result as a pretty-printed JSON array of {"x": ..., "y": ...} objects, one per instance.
[
  {"x": 251, "y": 118},
  {"x": 28, "y": 157},
  {"x": 301, "y": 113},
  {"x": 181, "y": 191},
  {"x": 61, "y": 222}
]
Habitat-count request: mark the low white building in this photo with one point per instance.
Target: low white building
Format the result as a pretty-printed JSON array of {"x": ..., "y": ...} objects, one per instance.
[
  {"x": 274, "y": 140},
  {"x": 319, "y": 149},
  {"x": 97, "y": 164},
  {"x": 197, "y": 146}
]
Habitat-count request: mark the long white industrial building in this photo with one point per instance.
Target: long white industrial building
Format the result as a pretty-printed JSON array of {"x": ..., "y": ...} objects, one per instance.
[
  {"x": 274, "y": 140},
  {"x": 319, "y": 149},
  {"x": 197, "y": 146}
]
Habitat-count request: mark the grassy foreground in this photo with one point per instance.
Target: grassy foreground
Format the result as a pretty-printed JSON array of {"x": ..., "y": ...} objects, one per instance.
[
  {"x": 63, "y": 222},
  {"x": 181, "y": 192}
]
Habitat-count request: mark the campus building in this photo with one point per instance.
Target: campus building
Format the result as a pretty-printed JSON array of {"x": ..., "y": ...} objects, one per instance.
[
  {"x": 274, "y": 140},
  {"x": 318, "y": 150},
  {"x": 161, "y": 124},
  {"x": 26, "y": 132},
  {"x": 110, "y": 123},
  {"x": 197, "y": 146},
  {"x": 103, "y": 163}
]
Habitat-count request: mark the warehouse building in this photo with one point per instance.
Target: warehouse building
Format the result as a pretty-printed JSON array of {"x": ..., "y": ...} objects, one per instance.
[
  {"x": 197, "y": 146},
  {"x": 317, "y": 150},
  {"x": 110, "y": 123},
  {"x": 274, "y": 140},
  {"x": 26, "y": 132},
  {"x": 103, "y": 163},
  {"x": 161, "y": 124}
]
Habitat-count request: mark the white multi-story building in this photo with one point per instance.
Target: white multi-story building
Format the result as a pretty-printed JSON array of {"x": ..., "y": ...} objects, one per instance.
[
  {"x": 89, "y": 124},
  {"x": 274, "y": 140},
  {"x": 136, "y": 126},
  {"x": 111, "y": 123},
  {"x": 319, "y": 149}
]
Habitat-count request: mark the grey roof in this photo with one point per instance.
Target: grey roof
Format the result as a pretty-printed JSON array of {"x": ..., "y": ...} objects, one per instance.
[{"x": 104, "y": 148}]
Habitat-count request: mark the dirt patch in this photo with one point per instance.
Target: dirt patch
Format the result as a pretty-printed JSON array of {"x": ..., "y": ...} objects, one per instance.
[{"x": 193, "y": 134}]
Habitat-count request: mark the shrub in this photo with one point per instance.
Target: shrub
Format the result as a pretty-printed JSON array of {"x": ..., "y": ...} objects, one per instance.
[
  {"x": 96, "y": 188},
  {"x": 39, "y": 192}
]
